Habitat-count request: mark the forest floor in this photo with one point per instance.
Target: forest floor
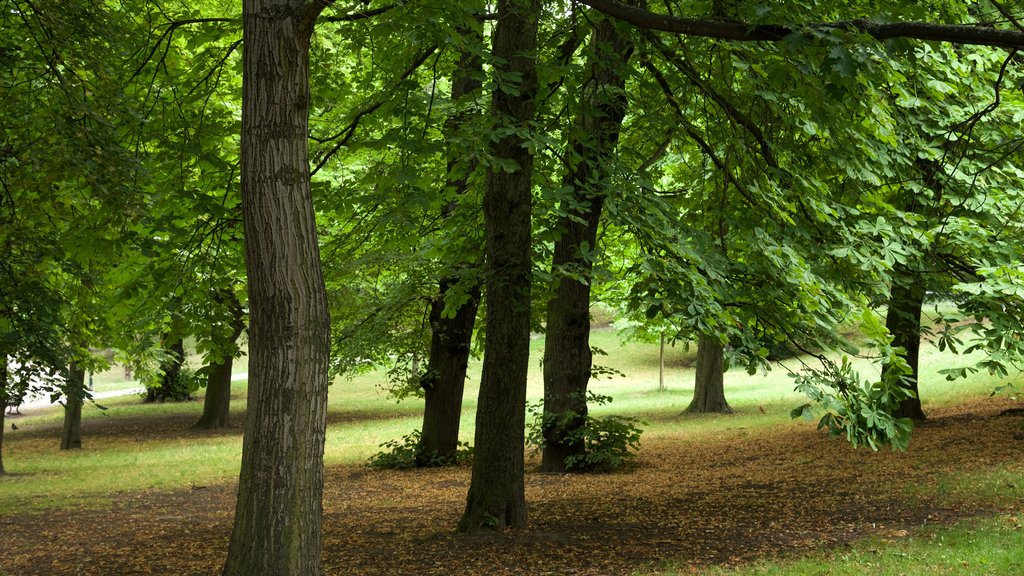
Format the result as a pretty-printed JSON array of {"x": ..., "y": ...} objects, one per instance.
[{"x": 727, "y": 498}]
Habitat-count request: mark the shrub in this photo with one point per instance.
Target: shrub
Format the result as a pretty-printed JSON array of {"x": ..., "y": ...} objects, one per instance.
[
  {"x": 609, "y": 441},
  {"x": 408, "y": 453}
]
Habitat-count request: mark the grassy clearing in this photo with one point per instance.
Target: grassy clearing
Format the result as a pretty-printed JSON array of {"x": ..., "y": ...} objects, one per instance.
[
  {"x": 162, "y": 453},
  {"x": 135, "y": 447},
  {"x": 989, "y": 546}
]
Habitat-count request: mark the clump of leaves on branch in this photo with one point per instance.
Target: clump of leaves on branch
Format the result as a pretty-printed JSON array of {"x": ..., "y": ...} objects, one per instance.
[{"x": 862, "y": 410}]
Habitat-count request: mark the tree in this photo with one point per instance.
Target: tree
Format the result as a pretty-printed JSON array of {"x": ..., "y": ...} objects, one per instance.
[
  {"x": 71, "y": 434},
  {"x": 217, "y": 403},
  {"x": 453, "y": 311},
  {"x": 3, "y": 407},
  {"x": 277, "y": 528},
  {"x": 708, "y": 389},
  {"x": 496, "y": 498},
  {"x": 592, "y": 139}
]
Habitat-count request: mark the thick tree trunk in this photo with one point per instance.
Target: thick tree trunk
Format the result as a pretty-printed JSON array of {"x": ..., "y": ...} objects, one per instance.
[
  {"x": 445, "y": 379},
  {"x": 451, "y": 337},
  {"x": 217, "y": 403},
  {"x": 904, "y": 323},
  {"x": 709, "y": 383},
  {"x": 74, "y": 392},
  {"x": 567, "y": 356},
  {"x": 496, "y": 497},
  {"x": 278, "y": 515}
]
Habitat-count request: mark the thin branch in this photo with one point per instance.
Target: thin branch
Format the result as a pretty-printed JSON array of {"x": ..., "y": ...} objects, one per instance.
[
  {"x": 691, "y": 73},
  {"x": 348, "y": 131}
]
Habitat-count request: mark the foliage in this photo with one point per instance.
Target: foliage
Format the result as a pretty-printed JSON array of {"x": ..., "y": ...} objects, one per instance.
[
  {"x": 610, "y": 441},
  {"x": 408, "y": 453}
]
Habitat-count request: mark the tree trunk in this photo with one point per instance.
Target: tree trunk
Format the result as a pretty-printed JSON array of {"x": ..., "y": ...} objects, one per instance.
[
  {"x": 279, "y": 510},
  {"x": 496, "y": 497},
  {"x": 661, "y": 364},
  {"x": 567, "y": 356},
  {"x": 171, "y": 387},
  {"x": 709, "y": 387},
  {"x": 445, "y": 379},
  {"x": 71, "y": 436},
  {"x": 217, "y": 403},
  {"x": 451, "y": 336},
  {"x": 3, "y": 408},
  {"x": 904, "y": 323}
]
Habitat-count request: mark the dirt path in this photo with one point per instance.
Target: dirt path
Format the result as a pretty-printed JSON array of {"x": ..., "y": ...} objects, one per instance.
[{"x": 746, "y": 494}]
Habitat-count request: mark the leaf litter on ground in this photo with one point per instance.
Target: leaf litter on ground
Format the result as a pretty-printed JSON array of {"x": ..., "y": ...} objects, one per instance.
[{"x": 691, "y": 501}]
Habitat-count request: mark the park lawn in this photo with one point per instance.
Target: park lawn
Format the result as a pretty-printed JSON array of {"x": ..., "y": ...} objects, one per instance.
[
  {"x": 139, "y": 451},
  {"x": 989, "y": 546}
]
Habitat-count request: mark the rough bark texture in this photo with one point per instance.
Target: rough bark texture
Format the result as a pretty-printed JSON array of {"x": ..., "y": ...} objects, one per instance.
[
  {"x": 451, "y": 336},
  {"x": 217, "y": 403},
  {"x": 904, "y": 323},
  {"x": 708, "y": 386},
  {"x": 496, "y": 497},
  {"x": 71, "y": 435},
  {"x": 567, "y": 356},
  {"x": 277, "y": 528}
]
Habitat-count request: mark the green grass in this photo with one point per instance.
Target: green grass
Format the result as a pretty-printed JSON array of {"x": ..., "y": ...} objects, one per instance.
[
  {"x": 989, "y": 546},
  {"x": 161, "y": 453},
  {"x": 362, "y": 416}
]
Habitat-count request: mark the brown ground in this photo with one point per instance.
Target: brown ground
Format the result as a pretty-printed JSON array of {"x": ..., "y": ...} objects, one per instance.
[{"x": 749, "y": 494}]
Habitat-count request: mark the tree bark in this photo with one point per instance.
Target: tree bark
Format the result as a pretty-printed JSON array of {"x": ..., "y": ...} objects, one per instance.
[
  {"x": 217, "y": 403},
  {"x": 3, "y": 407},
  {"x": 980, "y": 35},
  {"x": 904, "y": 323},
  {"x": 709, "y": 382},
  {"x": 74, "y": 392},
  {"x": 451, "y": 336},
  {"x": 445, "y": 379},
  {"x": 279, "y": 510},
  {"x": 170, "y": 387},
  {"x": 496, "y": 497},
  {"x": 567, "y": 356}
]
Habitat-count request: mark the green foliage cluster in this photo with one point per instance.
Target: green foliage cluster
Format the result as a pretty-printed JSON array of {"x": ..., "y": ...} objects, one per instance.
[
  {"x": 408, "y": 453},
  {"x": 610, "y": 441},
  {"x": 861, "y": 409}
]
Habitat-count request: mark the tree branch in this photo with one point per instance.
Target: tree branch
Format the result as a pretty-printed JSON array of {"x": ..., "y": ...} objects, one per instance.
[{"x": 744, "y": 32}]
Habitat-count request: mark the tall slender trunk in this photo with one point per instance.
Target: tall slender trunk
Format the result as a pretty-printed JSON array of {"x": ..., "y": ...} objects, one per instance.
[
  {"x": 451, "y": 336},
  {"x": 217, "y": 403},
  {"x": 709, "y": 382},
  {"x": 567, "y": 356},
  {"x": 74, "y": 392},
  {"x": 497, "y": 497},
  {"x": 279, "y": 510},
  {"x": 661, "y": 363},
  {"x": 3, "y": 407},
  {"x": 904, "y": 323}
]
